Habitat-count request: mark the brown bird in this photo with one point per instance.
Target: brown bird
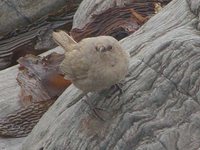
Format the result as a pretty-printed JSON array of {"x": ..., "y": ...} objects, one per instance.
[{"x": 93, "y": 64}]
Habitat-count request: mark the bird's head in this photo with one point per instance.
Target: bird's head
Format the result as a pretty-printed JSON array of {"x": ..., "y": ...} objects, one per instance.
[{"x": 101, "y": 45}]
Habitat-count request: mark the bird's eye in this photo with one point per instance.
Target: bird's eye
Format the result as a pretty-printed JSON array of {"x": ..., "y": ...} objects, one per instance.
[{"x": 109, "y": 47}]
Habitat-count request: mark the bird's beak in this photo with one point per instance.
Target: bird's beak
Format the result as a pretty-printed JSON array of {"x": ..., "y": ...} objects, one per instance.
[{"x": 102, "y": 49}]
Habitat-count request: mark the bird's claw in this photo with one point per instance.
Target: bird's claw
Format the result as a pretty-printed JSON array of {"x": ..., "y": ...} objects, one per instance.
[
  {"x": 95, "y": 110},
  {"x": 119, "y": 87}
]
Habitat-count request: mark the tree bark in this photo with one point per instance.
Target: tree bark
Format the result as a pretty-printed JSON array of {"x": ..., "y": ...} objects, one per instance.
[{"x": 159, "y": 108}]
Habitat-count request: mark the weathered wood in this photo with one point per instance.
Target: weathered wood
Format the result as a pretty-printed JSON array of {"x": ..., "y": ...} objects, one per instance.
[
  {"x": 88, "y": 8},
  {"x": 160, "y": 105},
  {"x": 35, "y": 37},
  {"x": 118, "y": 22},
  {"x": 15, "y": 14}
]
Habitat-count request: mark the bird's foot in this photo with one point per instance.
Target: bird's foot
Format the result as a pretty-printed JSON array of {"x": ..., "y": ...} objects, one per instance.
[
  {"x": 96, "y": 110},
  {"x": 115, "y": 88},
  {"x": 119, "y": 87}
]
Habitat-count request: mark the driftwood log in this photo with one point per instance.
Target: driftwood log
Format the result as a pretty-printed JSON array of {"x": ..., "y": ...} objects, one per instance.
[
  {"x": 16, "y": 14},
  {"x": 118, "y": 22},
  {"x": 160, "y": 105},
  {"x": 39, "y": 78},
  {"x": 32, "y": 37}
]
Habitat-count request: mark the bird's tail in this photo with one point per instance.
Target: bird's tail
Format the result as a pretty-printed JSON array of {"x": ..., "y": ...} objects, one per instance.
[{"x": 63, "y": 40}]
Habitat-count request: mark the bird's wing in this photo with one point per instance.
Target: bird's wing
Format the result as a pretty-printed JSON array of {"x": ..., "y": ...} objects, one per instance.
[{"x": 75, "y": 66}]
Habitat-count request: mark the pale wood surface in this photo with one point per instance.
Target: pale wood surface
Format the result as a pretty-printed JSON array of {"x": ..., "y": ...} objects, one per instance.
[
  {"x": 88, "y": 8},
  {"x": 160, "y": 107},
  {"x": 20, "y": 13}
]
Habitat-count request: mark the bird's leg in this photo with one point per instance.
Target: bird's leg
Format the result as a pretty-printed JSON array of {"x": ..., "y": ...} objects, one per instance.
[
  {"x": 120, "y": 84},
  {"x": 119, "y": 87},
  {"x": 94, "y": 109},
  {"x": 114, "y": 88}
]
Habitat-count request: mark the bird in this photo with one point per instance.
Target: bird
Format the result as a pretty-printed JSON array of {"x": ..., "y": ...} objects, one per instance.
[{"x": 93, "y": 64}]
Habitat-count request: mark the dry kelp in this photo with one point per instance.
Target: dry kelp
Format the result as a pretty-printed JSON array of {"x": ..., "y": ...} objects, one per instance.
[
  {"x": 40, "y": 78},
  {"x": 41, "y": 84},
  {"x": 118, "y": 22}
]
